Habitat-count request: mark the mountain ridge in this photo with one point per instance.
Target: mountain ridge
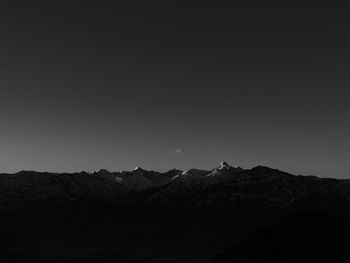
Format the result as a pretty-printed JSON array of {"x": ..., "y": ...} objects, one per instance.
[
  {"x": 224, "y": 206},
  {"x": 223, "y": 186}
]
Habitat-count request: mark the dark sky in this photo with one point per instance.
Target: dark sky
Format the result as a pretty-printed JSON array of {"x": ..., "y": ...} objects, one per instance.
[{"x": 161, "y": 84}]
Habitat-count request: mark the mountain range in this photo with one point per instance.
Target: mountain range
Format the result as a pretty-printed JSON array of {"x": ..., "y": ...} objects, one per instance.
[
  {"x": 221, "y": 213},
  {"x": 223, "y": 186}
]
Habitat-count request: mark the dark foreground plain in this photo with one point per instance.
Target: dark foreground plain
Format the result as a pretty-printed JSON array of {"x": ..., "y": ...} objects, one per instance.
[{"x": 227, "y": 214}]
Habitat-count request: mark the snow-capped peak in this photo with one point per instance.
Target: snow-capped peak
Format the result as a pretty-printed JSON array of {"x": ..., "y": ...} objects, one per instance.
[
  {"x": 137, "y": 168},
  {"x": 186, "y": 172},
  {"x": 224, "y": 166}
]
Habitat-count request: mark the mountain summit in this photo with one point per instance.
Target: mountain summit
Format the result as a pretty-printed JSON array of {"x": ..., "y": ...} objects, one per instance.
[{"x": 224, "y": 166}]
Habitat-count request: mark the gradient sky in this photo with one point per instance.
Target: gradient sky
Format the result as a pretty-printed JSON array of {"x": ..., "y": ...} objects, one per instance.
[{"x": 86, "y": 85}]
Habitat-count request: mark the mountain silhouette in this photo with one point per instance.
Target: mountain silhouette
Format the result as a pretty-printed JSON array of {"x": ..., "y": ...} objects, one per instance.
[
  {"x": 173, "y": 216},
  {"x": 223, "y": 185}
]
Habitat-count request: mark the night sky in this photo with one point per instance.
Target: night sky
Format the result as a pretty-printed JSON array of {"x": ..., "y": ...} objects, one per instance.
[{"x": 161, "y": 84}]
